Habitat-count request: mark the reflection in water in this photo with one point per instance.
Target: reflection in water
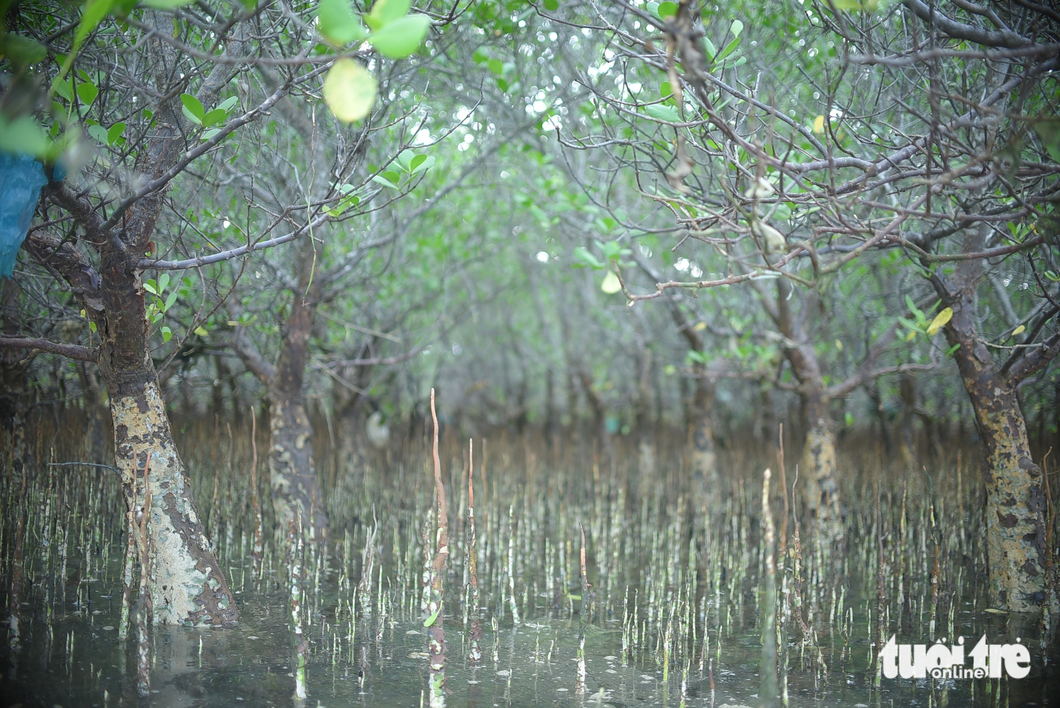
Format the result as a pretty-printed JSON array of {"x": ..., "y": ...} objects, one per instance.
[{"x": 625, "y": 595}]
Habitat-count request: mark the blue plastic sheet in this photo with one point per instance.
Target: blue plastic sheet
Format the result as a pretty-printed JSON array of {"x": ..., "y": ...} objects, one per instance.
[{"x": 21, "y": 178}]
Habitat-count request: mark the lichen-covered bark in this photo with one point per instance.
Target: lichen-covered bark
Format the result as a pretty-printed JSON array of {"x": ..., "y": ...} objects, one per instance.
[
  {"x": 184, "y": 578},
  {"x": 1015, "y": 499},
  {"x": 819, "y": 471},
  {"x": 820, "y": 493},
  {"x": 292, "y": 471},
  {"x": 703, "y": 460},
  {"x": 1015, "y": 512}
]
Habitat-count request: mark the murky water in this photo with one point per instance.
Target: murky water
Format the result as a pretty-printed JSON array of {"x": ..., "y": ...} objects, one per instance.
[{"x": 672, "y": 617}]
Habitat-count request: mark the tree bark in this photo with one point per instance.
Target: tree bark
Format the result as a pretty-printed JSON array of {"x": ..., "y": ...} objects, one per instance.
[
  {"x": 703, "y": 460},
  {"x": 1015, "y": 520},
  {"x": 184, "y": 578},
  {"x": 1015, "y": 500},
  {"x": 820, "y": 491},
  {"x": 645, "y": 426},
  {"x": 292, "y": 469}
]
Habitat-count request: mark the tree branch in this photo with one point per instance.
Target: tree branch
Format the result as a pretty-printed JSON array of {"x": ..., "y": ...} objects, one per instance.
[
  {"x": 70, "y": 351},
  {"x": 970, "y": 33},
  {"x": 1034, "y": 360}
]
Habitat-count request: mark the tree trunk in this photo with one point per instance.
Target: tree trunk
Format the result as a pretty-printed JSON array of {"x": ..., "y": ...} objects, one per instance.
[
  {"x": 184, "y": 578},
  {"x": 1017, "y": 556},
  {"x": 645, "y": 426},
  {"x": 292, "y": 470},
  {"x": 820, "y": 491},
  {"x": 703, "y": 461},
  {"x": 906, "y": 434},
  {"x": 1015, "y": 500}
]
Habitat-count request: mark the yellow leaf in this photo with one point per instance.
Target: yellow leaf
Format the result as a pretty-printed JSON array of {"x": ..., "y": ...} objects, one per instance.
[
  {"x": 201, "y": 331},
  {"x": 700, "y": 326},
  {"x": 611, "y": 284},
  {"x": 818, "y": 124},
  {"x": 349, "y": 90},
  {"x": 838, "y": 345},
  {"x": 909, "y": 337},
  {"x": 940, "y": 321},
  {"x": 1019, "y": 329}
]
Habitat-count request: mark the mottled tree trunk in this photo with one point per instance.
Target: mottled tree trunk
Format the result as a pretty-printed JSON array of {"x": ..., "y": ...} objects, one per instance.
[
  {"x": 819, "y": 471},
  {"x": 292, "y": 470},
  {"x": 184, "y": 578},
  {"x": 703, "y": 460},
  {"x": 1015, "y": 514},
  {"x": 1015, "y": 499},
  {"x": 645, "y": 425}
]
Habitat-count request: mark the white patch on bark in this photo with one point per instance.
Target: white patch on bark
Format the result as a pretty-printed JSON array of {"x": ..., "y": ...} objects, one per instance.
[{"x": 173, "y": 578}]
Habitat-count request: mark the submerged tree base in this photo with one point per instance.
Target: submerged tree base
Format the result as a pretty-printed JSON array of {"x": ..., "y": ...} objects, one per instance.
[{"x": 184, "y": 579}]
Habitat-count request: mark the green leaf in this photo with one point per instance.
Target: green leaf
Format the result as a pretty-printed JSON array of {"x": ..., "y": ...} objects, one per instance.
[
  {"x": 169, "y": 301},
  {"x": 115, "y": 132},
  {"x": 584, "y": 258},
  {"x": 336, "y": 22},
  {"x": 909, "y": 324},
  {"x": 86, "y": 93},
  {"x": 22, "y": 51},
  {"x": 385, "y": 179},
  {"x": 163, "y": 283},
  {"x": 201, "y": 331},
  {"x": 23, "y": 135},
  {"x": 551, "y": 5},
  {"x": 433, "y": 618},
  {"x": 227, "y": 104},
  {"x": 386, "y": 11},
  {"x": 349, "y": 90},
  {"x": 401, "y": 37},
  {"x": 422, "y": 163},
  {"x": 736, "y": 28},
  {"x": 729, "y": 49},
  {"x": 151, "y": 287},
  {"x": 213, "y": 117},
  {"x": 193, "y": 109},
  {"x": 666, "y": 10},
  {"x": 166, "y": 4},
  {"x": 662, "y": 112},
  {"x": 611, "y": 284},
  {"x": 711, "y": 49},
  {"x": 919, "y": 314},
  {"x": 64, "y": 89},
  {"x": 193, "y": 105},
  {"x": 99, "y": 133},
  {"x": 167, "y": 333}
]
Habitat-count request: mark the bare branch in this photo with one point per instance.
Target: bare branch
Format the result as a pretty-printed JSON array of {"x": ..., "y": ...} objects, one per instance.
[
  {"x": 970, "y": 33},
  {"x": 70, "y": 351}
]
